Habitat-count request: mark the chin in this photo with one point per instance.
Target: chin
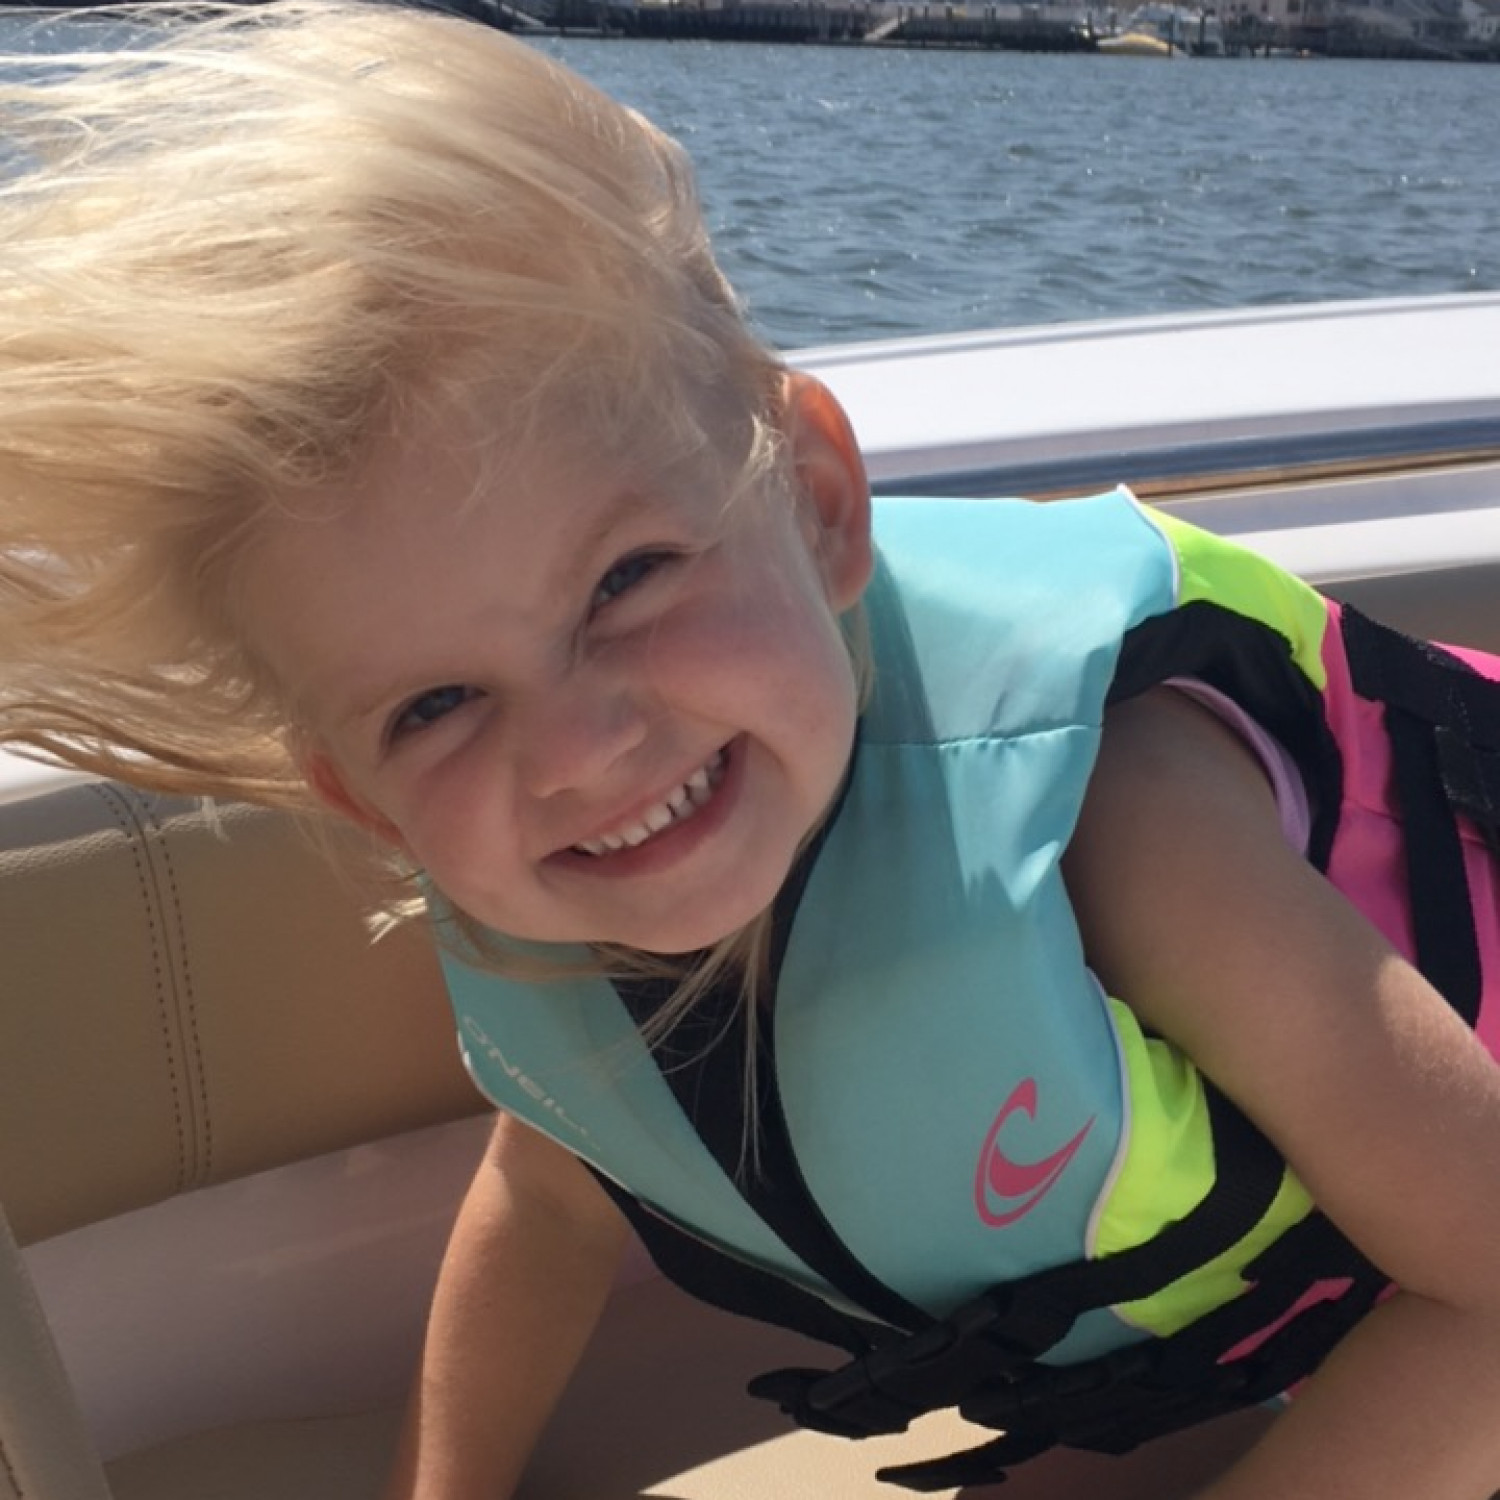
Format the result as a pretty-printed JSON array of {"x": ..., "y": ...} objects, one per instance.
[
  {"x": 677, "y": 943},
  {"x": 674, "y": 939}
]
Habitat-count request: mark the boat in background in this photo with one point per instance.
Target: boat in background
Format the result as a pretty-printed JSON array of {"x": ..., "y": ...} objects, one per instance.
[
  {"x": 233, "y": 1134},
  {"x": 1137, "y": 44},
  {"x": 1164, "y": 30}
]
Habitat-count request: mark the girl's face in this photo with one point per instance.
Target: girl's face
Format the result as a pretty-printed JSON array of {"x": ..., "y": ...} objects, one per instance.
[{"x": 587, "y": 712}]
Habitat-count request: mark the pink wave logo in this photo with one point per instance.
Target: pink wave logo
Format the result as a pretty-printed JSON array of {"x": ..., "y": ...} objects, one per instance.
[{"x": 1006, "y": 1190}]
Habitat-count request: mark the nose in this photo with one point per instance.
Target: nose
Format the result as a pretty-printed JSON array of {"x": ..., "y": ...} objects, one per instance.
[{"x": 571, "y": 732}]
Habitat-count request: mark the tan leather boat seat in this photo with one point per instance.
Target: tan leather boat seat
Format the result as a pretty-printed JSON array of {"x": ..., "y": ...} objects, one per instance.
[{"x": 192, "y": 996}]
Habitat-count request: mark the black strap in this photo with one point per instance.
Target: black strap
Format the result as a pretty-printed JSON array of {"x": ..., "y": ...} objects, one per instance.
[
  {"x": 1471, "y": 777},
  {"x": 1252, "y": 663},
  {"x": 1248, "y": 1173},
  {"x": 716, "y": 1277},
  {"x": 1120, "y": 1400},
  {"x": 1422, "y": 678},
  {"x": 1443, "y": 722},
  {"x": 1438, "y": 885},
  {"x": 705, "y": 1062}
]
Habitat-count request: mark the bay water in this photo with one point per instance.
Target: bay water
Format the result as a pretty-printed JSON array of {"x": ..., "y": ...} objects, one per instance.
[{"x": 863, "y": 192}]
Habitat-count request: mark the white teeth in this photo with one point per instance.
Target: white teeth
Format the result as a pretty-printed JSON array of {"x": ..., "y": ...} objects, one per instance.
[
  {"x": 659, "y": 817},
  {"x": 679, "y": 805}
]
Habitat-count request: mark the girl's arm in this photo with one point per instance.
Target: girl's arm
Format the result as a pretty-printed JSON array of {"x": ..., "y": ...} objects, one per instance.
[
  {"x": 531, "y": 1261},
  {"x": 1196, "y": 913}
]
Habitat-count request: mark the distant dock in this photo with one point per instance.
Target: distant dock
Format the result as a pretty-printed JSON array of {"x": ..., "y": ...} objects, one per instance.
[
  {"x": 1011, "y": 25},
  {"x": 1017, "y": 27}
]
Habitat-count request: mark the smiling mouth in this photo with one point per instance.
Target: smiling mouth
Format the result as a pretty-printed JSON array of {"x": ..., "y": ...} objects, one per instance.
[{"x": 677, "y": 807}]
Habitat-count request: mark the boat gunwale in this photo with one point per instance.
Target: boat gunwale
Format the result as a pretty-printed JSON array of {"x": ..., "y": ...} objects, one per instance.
[{"x": 1272, "y": 460}]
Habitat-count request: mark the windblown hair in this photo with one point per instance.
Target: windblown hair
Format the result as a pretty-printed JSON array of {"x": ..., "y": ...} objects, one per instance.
[{"x": 238, "y": 253}]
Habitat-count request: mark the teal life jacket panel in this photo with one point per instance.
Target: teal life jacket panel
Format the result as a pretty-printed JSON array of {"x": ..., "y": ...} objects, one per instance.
[{"x": 963, "y": 1138}]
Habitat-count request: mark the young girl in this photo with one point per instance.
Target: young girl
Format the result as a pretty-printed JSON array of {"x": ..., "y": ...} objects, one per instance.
[{"x": 377, "y": 431}]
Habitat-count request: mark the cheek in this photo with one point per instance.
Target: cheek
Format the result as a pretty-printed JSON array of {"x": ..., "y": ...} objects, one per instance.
[
  {"x": 756, "y": 670},
  {"x": 454, "y": 827},
  {"x": 793, "y": 687},
  {"x": 769, "y": 623}
]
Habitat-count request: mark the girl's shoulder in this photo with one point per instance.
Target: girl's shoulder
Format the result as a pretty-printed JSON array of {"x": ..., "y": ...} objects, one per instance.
[{"x": 1197, "y": 913}]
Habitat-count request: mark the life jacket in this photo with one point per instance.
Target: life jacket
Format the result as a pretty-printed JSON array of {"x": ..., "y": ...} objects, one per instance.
[{"x": 970, "y": 1168}]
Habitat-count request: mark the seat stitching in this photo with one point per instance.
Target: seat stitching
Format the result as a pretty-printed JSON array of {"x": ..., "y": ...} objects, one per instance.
[
  {"x": 123, "y": 814},
  {"x": 196, "y": 1074}
]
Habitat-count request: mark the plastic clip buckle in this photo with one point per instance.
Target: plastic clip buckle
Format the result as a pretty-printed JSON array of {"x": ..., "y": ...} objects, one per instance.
[
  {"x": 842, "y": 1402},
  {"x": 980, "y": 1344}
]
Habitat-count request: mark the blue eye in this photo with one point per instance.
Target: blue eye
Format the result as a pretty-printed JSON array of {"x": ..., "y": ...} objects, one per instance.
[
  {"x": 427, "y": 708},
  {"x": 625, "y": 575}
]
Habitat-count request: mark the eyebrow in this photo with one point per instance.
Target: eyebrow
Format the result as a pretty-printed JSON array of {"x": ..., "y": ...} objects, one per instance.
[{"x": 379, "y": 700}]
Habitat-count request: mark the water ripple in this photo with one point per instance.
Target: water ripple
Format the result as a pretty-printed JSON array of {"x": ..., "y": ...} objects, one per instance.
[{"x": 857, "y": 193}]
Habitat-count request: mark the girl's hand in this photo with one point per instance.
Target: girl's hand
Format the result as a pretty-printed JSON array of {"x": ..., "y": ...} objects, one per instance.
[{"x": 1196, "y": 913}]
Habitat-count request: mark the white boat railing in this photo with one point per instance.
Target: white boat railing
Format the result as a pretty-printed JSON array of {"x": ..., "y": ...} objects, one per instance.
[{"x": 1185, "y": 399}]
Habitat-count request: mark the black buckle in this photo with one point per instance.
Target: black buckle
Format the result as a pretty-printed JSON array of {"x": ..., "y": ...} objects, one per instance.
[
  {"x": 1106, "y": 1405},
  {"x": 843, "y": 1402},
  {"x": 1055, "y": 1396},
  {"x": 985, "y": 1340}
]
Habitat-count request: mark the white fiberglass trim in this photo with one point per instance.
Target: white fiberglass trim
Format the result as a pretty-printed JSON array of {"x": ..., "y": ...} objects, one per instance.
[
  {"x": 926, "y": 405},
  {"x": 1377, "y": 548}
]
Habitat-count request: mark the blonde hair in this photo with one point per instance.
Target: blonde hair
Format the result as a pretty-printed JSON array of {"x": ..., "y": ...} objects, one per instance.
[
  {"x": 232, "y": 259},
  {"x": 238, "y": 254}
]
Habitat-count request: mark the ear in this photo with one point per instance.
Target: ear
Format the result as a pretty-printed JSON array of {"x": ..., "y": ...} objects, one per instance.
[
  {"x": 831, "y": 480},
  {"x": 330, "y": 788}
]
